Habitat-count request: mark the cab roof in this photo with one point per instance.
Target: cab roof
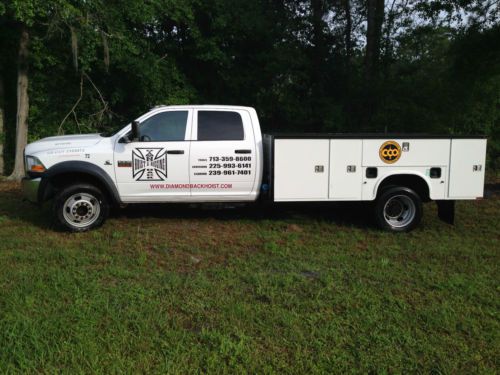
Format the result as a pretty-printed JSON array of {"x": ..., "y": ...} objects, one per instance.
[{"x": 204, "y": 106}]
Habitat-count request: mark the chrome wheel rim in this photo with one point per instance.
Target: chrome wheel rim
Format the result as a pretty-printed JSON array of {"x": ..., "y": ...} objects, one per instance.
[
  {"x": 81, "y": 210},
  {"x": 399, "y": 211}
]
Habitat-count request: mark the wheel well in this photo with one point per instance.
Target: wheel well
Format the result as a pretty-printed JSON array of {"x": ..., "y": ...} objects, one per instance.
[
  {"x": 59, "y": 181},
  {"x": 416, "y": 183}
]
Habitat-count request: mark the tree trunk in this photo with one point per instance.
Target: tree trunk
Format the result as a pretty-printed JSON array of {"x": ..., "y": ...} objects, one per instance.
[
  {"x": 375, "y": 19},
  {"x": 390, "y": 17},
  {"x": 22, "y": 105},
  {"x": 319, "y": 56},
  {"x": 2, "y": 122},
  {"x": 348, "y": 30},
  {"x": 318, "y": 38},
  {"x": 348, "y": 58}
]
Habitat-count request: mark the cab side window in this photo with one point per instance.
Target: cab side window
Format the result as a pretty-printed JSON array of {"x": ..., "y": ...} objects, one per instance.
[
  {"x": 220, "y": 126},
  {"x": 165, "y": 126}
]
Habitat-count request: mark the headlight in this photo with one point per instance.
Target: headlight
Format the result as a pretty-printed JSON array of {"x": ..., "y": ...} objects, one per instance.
[{"x": 33, "y": 164}]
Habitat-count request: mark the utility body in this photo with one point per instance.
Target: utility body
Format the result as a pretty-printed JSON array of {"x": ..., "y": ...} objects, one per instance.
[{"x": 211, "y": 153}]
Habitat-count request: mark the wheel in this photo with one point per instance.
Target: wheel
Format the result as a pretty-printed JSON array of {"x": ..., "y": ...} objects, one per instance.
[
  {"x": 80, "y": 207},
  {"x": 398, "y": 209}
]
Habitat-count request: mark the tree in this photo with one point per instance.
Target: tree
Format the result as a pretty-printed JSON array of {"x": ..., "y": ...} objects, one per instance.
[
  {"x": 374, "y": 18},
  {"x": 2, "y": 121},
  {"x": 23, "y": 15},
  {"x": 22, "y": 104}
]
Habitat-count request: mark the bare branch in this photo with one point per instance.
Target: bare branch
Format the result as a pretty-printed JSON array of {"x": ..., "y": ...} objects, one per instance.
[
  {"x": 162, "y": 58},
  {"x": 73, "y": 108},
  {"x": 105, "y": 108},
  {"x": 77, "y": 123},
  {"x": 105, "y": 104}
]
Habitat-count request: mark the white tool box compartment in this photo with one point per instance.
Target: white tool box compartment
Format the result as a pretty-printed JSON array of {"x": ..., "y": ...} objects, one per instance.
[
  {"x": 301, "y": 168},
  {"x": 346, "y": 174},
  {"x": 467, "y": 165}
]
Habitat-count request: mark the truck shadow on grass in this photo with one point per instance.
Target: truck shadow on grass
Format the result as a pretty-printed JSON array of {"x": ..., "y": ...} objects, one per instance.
[{"x": 345, "y": 213}]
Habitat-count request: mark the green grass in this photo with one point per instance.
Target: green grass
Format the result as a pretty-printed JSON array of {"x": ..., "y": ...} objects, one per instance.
[{"x": 302, "y": 291}]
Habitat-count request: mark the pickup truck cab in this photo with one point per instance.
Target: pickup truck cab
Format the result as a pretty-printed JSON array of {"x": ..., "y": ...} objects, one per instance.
[{"x": 212, "y": 153}]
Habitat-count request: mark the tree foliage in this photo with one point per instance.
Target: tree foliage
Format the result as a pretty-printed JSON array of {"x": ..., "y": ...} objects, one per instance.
[{"x": 315, "y": 65}]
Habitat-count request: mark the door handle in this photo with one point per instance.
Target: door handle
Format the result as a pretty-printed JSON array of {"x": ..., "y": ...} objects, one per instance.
[
  {"x": 175, "y": 152},
  {"x": 242, "y": 151}
]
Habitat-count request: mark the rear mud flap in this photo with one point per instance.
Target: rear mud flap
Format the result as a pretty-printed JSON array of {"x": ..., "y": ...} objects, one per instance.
[{"x": 446, "y": 211}]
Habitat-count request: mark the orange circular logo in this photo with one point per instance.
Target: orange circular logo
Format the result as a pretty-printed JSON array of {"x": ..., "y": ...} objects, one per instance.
[{"x": 390, "y": 152}]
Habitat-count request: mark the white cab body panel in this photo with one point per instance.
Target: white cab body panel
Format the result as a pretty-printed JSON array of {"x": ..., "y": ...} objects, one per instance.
[
  {"x": 224, "y": 170},
  {"x": 133, "y": 187},
  {"x": 134, "y": 184}
]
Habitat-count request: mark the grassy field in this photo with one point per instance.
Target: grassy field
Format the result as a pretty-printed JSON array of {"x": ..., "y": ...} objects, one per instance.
[{"x": 284, "y": 291}]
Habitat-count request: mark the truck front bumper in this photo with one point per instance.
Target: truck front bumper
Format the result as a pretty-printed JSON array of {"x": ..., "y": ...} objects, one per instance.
[{"x": 30, "y": 188}]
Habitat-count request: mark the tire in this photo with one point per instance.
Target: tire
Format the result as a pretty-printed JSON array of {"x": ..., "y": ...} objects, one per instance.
[
  {"x": 80, "y": 207},
  {"x": 398, "y": 209}
]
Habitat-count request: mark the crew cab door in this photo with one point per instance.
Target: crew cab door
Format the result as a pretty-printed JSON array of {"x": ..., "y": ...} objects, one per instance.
[
  {"x": 223, "y": 155},
  {"x": 156, "y": 168}
]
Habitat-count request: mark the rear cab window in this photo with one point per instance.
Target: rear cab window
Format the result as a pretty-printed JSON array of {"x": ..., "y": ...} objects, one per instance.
[{"x": 220, "y": 126}]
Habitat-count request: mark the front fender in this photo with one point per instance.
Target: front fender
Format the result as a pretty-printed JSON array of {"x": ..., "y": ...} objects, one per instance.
[{"x": 76, "y": 167}]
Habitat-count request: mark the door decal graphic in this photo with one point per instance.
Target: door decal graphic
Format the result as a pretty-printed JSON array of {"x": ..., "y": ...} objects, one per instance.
[{"x": 149, "y": 164}]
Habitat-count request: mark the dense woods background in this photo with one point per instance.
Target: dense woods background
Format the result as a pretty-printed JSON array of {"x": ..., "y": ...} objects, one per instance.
[{"x": 71, "y": 66}]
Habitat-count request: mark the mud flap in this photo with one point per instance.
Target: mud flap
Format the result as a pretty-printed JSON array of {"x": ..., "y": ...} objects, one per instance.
[{"x": 446, "y": 211}]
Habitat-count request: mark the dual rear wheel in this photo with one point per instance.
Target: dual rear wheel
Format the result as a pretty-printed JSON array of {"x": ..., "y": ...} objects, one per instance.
[{"x": 398, "y": 209}]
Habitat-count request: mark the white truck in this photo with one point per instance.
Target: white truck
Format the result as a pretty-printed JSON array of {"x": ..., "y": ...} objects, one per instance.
[{"x": 213, "y": 153}]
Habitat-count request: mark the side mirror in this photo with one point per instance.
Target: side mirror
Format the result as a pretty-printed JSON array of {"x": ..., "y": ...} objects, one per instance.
[{"x": 134, "y": 136}]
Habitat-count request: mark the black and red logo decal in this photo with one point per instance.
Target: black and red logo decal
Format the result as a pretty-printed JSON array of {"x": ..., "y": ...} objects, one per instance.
[{"x": 149, "y": 164}]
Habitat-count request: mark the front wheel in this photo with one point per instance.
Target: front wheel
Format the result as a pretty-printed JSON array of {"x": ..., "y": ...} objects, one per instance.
[
  {"x": 398, "y": 209},
  {"x": 80, "y": 207}
]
